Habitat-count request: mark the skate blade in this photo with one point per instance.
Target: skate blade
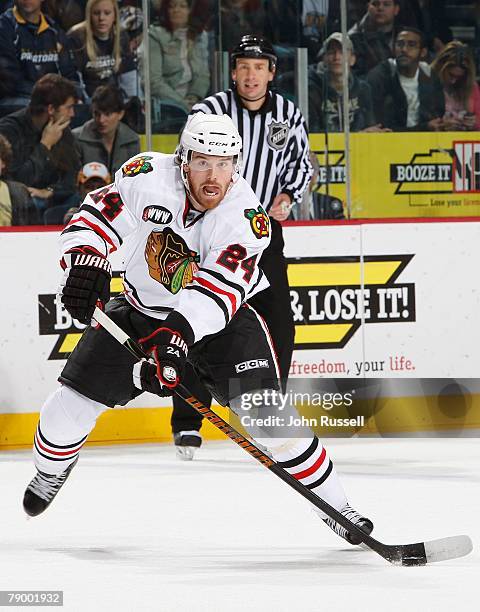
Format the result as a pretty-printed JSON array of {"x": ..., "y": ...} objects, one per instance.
[{"x": 185, "y": 453}]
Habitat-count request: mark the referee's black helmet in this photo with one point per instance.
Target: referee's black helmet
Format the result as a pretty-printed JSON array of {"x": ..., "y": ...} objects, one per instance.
[{"x": 253, "y": 46}]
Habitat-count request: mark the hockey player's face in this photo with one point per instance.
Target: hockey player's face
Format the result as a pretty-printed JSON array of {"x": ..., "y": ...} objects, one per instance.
[
  {"x": 252, "y": 77},
  {"x": 209, "y": 177}
]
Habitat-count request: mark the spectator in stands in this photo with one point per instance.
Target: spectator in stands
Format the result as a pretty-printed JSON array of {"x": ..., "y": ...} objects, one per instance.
[
  {"x": 66, "y": 13},
  {"x": 155, "y": 6},
  {"x": 316, "y": 205},
  {"x": 44, "y": 156},
  {"x": 283, "y": 22},
  {"x": 325, "y": 86},
  {"x": 91, "y": 177},
  {"x": 406, "y": 95},
  {"x": 455, "y": 68},
  {"x": 429, "y": 17},
  {"x": 131, "y": 22},
  {"x": 16, "y": 204},
  {"x": 178, "y": 57},
  {"x": 314, "y": 25},
  {"x": 355, "y": 12},
  {"x": 102, "y": 50},
  {"x": 240, "y": 17},
  {"x": 5, "y": 4},
  {"x": 105, "y": 138},
  {"x": 373, "y": 35},
  {"x": 31, "y": 45}
]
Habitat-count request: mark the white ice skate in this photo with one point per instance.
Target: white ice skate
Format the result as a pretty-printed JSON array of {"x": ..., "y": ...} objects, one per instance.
[
  {"x": 186, "y": 443},
  {"x": 42, "y": 489},
  {"x": 348, "y": 512}
]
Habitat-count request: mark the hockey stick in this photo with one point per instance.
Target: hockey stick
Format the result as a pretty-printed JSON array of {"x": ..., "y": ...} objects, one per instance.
[{"x": 419, "y": 553}]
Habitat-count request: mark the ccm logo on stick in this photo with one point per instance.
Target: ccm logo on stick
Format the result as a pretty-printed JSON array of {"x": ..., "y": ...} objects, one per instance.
[{"x": 251, "y": 365}]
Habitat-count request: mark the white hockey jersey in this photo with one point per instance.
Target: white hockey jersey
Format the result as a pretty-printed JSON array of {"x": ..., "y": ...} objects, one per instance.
[{"x": 204, "y": 265}]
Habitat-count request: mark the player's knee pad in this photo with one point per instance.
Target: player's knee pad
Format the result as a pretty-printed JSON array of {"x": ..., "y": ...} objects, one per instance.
[{"x": 68, "y": 415}]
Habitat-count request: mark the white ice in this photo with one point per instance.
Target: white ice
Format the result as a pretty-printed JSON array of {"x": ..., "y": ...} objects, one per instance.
[{"x": 136, "y": 529}]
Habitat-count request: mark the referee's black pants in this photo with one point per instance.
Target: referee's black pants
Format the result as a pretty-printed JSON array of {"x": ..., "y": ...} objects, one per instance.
[{"x": 273, "y": 304}]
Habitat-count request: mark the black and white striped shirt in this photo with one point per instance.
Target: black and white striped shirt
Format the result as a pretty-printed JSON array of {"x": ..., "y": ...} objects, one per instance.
[{"x": 275, "y": 144}]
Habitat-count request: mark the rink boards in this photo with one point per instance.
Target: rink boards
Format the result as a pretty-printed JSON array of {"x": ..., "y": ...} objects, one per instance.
[{"x": 388, "y": 300}]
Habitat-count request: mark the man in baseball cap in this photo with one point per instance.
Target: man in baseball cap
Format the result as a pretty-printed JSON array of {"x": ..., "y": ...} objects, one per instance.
[
  {"x": 336, "y": 37},
  {"x": 326, "y": 91},
  {"x": 92, "y": 176},
  {"x": 94, "y": 171}
]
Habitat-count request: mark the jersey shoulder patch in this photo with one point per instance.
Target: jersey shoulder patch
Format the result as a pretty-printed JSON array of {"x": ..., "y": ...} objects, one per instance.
[
  {"x": 137, "y": 165},
  {"x": 277, "y": 136},
  {"x": 259, "y": 221}
]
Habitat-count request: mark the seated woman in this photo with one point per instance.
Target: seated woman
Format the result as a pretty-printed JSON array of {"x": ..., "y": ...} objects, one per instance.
[
  {"x": 178, "y": 57},
  {"x": 105, "y": 138},
  {"x": 16, "y": 204},
  {"x": 102, "y": 50},
  {"x": 455, "y": 68}
]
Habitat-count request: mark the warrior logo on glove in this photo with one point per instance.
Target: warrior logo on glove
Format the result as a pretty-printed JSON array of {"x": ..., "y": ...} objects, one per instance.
[
  {"x": 170, "y": 261},
  {"x": 86, "y": 282}
]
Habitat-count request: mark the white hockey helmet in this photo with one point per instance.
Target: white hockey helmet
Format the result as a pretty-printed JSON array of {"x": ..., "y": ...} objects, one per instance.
[{"x": 211, "y": 135}]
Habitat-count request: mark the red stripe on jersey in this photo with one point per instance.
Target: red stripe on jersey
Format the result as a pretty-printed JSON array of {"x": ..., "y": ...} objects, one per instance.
[
  {"x": 270, "y": 342},
  {"x": 98, "y": 229},
  {"x": 309, "y": 471},
  {"x": 208, "y": 285},
  {"x": 129, "y": 296},
  {"x": 52, "y": 452}
]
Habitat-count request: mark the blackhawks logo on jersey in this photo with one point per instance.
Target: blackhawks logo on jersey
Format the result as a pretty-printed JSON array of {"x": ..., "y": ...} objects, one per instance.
[
  {"x": 138, "y": 165},
  {"x": 170, "y": 261},
  {"x": 259, "y": 222}
]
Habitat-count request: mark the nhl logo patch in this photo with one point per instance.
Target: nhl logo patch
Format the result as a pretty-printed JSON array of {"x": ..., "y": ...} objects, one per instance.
[{"x": 277, "y": 135}]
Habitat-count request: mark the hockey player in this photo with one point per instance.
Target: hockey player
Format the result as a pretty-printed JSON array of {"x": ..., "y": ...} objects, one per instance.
[
  {"x": 196, "y": 231},
  {"x": 277, "y": 167}
]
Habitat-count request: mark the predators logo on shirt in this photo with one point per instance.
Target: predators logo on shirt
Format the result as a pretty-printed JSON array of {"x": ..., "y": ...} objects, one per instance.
[
  {"x": 138, "y": 165},
  {"x": 170, "y": 261},
  {"x": 259, "y": 222}
]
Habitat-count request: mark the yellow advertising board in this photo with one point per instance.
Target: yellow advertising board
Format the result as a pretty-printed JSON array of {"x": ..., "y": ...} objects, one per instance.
[
  {"x": 408, "y": 174},
  {"x": 398, "y": 174}
]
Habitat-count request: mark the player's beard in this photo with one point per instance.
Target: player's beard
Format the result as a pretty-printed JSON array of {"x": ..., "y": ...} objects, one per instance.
[{"x": 200, "y": 198}]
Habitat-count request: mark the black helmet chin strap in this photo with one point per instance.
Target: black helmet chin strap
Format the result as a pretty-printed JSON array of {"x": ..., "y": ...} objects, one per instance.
[{"x": 254, "y": 99}]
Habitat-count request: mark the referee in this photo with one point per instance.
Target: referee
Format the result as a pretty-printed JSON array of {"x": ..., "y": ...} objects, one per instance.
[{"x": 276, "y": 164}]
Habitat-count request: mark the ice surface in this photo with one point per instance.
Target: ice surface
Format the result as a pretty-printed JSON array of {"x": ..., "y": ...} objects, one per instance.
[{"x": 136, "y": 529}]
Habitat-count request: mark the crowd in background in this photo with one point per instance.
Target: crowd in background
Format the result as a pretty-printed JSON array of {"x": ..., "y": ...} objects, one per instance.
[{"x": 72, "y": 76}]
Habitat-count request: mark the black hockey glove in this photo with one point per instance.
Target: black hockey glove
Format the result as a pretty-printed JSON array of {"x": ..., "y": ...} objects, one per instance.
[
  {"x": 169, "y": 348},
  {"x": 145, "y": 378},
  {"x": 86, "y": 282}
]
